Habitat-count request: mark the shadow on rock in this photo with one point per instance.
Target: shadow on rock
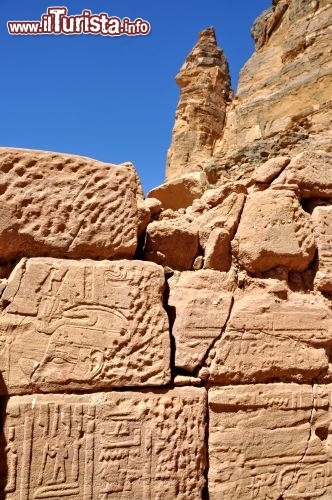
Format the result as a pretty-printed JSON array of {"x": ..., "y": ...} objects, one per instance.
[{"x": 5, "y": 446}]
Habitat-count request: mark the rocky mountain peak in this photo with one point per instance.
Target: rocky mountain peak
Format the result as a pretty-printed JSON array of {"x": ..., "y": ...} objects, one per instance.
[
  {"x": 205, "y": 91},
  {"x": 282, "y": 105}
]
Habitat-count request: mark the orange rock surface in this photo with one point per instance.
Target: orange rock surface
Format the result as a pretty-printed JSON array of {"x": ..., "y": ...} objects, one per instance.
[{"x": 179, "y": 346}]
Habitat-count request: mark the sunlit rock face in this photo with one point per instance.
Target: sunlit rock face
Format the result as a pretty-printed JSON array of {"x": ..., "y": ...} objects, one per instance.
[
  {"x": 179, "y": 346},
  {"x": 205, "y": 91},
  {"x": 282, "y": 104},
  {"x": 283, "y": 100}
]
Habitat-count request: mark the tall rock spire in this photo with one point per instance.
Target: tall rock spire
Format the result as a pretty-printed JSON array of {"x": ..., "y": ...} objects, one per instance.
[
  {"x": 205, "y": 90},
  {"x": 283, "y": 101}
]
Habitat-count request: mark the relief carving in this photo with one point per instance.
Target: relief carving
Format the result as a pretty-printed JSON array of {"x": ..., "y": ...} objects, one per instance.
[
  {"x": 70, "y": 324},
  {"x": 140, "y": 445},
  {"x": 251, "y": 452}
]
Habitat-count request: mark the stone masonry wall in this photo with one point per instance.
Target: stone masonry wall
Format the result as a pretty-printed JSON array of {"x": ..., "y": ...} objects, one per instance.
[
  {"x": 89, "y": 409},
  {"x": 282, "y": 104},
  {"x": 177, "y": 346}
]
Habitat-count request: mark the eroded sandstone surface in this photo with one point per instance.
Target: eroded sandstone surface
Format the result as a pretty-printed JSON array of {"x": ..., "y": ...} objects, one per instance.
[
  {"x": 63, "y": 205},
  {"x": 73, "y": 325},
  {"x": 288, "y": 108},
  {"x": 105, "y": 445},
  {"x": 322, "y": 220},
  {"x": 205, "y": 88},
  {"x": 200, "y": 305},
  {"x": 270, "y": 441},
  {"x": 274, "y": 230},
  {"x": 179, "y": 346},
  {"x": 268, "y": 338},
  {"x": 283, "y": 101}
]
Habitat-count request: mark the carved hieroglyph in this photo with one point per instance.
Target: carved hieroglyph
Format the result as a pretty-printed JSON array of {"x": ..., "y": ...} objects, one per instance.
[
  {"x": 311, "y": 172},
  {"x": 267, "y": 338},
  {"x": 62, "y": 205},
  {"x": 200, "y": 305},
  {"x": 322, "y": 219},
  {"x": 271, "y": 441},
  {"x": 274, "y": 231},
  {"x": 120, "y": 445},
  {"x": 69, "y": 325}
]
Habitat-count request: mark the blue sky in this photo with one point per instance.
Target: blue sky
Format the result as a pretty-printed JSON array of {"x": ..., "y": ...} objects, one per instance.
[{"x": 113, "y": 99}]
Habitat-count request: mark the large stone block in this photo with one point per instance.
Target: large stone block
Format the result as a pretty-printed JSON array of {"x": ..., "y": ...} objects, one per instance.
[
  {"x": 66, "y": 206},
  {"x": 266, "y": 172},
  {"x": 120, "y": 445},
  {"x": 200, "y": 304},
  {"x": 311, "y": 171},
  {"x": 322, "y": 220},
  {"x": 274, "y": 231},
  {"x": 225, "y": 215},
  {"x": 74, "y": 325},
  {"x": 172, "y": 243},
  {"x": 270, "y": 442},
  {"x": 269, "y": 339},
  {"x": 217, "y": 251}
]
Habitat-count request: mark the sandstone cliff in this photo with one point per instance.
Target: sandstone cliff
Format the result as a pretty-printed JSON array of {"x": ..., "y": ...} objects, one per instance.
[
  {"x": 179, "y": 346},
  {"x": 283, "y": 100}
]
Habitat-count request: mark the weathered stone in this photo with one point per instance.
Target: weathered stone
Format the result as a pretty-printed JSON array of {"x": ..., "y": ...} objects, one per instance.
[
  {"x": 198, "y": 263},
  {"x": 267, "y": 339},
  {"x": 217, "y": 227},
  {"x": 144, "y": 217},
  {"x": 260, "y": 316},
  {"x": 274, "y": 231},
  {"x": 270, "y": 441},
  {"x": 216, "y": 196},
  {"x": 226, "y": 216},
  {"x": 168, "y": 214},
  {"x": 283, "y": 102},
  {"x": 184, "y": 380},
  {"x": 311, "y": 171},
  {"x": 105, "y": 445},
  {"x": 66, "y": 206},
  {"x": 139, "y": 189},
  {"x": 205, "y": 87},
  {"x": 172, "y": 243},
  {"x": 322, "y": 220},
  {"x": 266, "y": 172},
  {"x": 218, "y": 250},
  {"x": 198, "y": 207},
  {"x": 180, "y": 192},
  {"x": 153, "y": 205},
  {"x": 74, "y": 325},
  {"x": 267, "y": 22},
  {"x": 200, "y": 304}
]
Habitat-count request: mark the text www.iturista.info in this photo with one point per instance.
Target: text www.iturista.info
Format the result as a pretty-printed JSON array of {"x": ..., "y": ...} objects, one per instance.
[{"x": 57, "y": 22}]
